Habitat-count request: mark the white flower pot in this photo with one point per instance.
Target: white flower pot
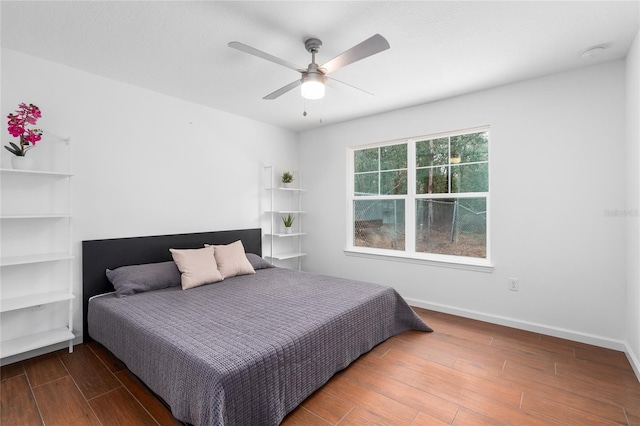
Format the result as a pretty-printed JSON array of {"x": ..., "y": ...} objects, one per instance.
[{"x": 21, "y": 163}]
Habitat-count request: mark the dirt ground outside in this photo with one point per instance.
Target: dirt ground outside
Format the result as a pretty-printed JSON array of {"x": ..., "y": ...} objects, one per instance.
[{"x": 433, "y": 241}]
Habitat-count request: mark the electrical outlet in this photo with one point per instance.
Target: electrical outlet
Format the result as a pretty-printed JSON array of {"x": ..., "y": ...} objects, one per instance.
[{"x": 514, "y": 285}]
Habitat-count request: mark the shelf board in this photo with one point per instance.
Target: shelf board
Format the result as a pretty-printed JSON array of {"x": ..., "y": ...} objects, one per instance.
[
  {"x": 34, "y": 258},
  {"x": 32, "y": 300},
  {"x": 35, "y": 172},
  {"x": 34, "y": 341},
  {"x": 284, "y": 256},
  {"x": 292, "y": 234},
  {"x": 288, "y": 212},
  {"x": 282, "y": 188},
  {"x": 36, "y": 216}
]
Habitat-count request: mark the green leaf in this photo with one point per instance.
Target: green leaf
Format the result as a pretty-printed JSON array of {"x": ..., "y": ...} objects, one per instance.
[
  {"x": 288, "y": 221},
  {"x": 15, "y": 149}
]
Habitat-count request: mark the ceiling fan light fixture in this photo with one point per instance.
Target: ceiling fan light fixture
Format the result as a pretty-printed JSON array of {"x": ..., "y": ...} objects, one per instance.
[
  {"x": 314, "y": 78},
  {"x": 313, "y": 86}
]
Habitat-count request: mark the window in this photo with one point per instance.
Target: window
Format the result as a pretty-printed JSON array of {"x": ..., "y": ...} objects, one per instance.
[
  {"x": 424, "y": 197},
  {"x": 380, "y": 189}
]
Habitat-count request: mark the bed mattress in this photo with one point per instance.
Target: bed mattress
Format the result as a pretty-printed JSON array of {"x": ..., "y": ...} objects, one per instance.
[{"x": 249, "y": 349}]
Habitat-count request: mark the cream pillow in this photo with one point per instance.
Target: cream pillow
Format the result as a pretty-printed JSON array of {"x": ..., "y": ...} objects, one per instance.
[
  {"x": 232, "y": 260},
  {"x": 197, "y": 266}
]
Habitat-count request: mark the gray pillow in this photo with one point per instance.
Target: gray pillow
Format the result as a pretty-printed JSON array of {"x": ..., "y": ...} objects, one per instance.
[
  {"x": 128, "y": 280},
  {"x": 257, "y": 262}
]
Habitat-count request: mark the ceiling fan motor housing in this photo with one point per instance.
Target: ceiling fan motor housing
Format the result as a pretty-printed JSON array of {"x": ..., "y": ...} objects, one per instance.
[
  {"x": 314, "y": 75},
  {"x": 313, "y": 45}
]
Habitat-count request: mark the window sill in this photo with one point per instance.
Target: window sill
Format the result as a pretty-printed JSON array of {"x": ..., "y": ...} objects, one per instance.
[{"x": 455, "y": 262}]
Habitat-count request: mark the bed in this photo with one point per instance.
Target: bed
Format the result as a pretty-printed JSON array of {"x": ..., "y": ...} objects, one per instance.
[{"x": 243, "y": 351}]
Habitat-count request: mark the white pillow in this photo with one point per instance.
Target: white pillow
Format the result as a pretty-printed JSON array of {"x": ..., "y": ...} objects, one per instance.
[
  {"x": 232, "y": 260},
  {"x": 197, "y": 266}
]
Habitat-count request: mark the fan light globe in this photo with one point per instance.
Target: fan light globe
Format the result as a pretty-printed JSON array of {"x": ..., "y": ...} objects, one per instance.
[
  {"x": 313, "y": 85},
  {"x": 312, "y": 90}
]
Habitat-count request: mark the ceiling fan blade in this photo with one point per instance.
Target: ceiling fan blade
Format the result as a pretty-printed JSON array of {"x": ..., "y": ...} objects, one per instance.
[
  {"x": 370, "y": 46},
  {"x": 283, "y": 90},
  {"x": 331, "y": 80},
  {"x": 260, "y": 54}
]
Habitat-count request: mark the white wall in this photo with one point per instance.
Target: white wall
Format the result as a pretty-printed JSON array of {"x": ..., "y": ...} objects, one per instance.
[
  {"x": 557, "y": 165},
  {"x": 633, "y": 204},
  {"x": 145, "y": 163}
]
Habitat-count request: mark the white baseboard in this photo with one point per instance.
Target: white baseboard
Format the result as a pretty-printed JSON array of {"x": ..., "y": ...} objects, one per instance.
[
  {"x": 635, "y": 363},
  {"x": 562, "y": 333}
]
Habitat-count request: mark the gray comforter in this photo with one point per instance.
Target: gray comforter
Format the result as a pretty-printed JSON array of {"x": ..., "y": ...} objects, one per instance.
[{"x": 249, "y": 349}]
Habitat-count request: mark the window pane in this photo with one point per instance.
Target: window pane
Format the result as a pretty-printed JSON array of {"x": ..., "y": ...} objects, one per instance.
[
  {"x": 456, "y": 226},
  {"x": 470, "y": 178},
  {"x": 366, "y": 160},
  {"x": 434, "y": 152},
  {"x": 393, "y": 183},
  {"x": 471, "y": 147},
  {"x": 434, "y": 180},
  {"x": 366, "y": 184},
  {"x": 393, "y": 157},
  {"x": 379, "y": 224}
]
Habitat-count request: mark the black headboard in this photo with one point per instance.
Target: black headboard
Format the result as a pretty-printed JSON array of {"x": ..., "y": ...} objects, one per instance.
[{"x": 99, "y": 255}]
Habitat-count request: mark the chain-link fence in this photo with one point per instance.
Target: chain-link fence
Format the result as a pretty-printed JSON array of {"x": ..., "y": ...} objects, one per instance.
[
  {"x": 452, "y": 226},
  {"x": 379, "y": 223},
  {"x": 449, "y": 226}
]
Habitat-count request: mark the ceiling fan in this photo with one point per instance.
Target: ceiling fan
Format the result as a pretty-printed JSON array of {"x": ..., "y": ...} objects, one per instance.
[{"x": 314, "y": 76}]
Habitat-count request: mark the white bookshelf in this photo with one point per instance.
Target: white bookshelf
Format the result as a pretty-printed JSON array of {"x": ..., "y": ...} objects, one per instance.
[
  {"x": 284, "y": 200},
  {"x": 36, "y": 238}
]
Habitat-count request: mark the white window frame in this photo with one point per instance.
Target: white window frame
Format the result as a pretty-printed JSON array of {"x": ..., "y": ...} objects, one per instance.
[{"x": 409, "y": 254}]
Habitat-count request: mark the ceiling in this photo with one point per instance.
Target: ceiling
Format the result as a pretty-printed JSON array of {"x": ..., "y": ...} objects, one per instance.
[{"x": 438, "y": 49}]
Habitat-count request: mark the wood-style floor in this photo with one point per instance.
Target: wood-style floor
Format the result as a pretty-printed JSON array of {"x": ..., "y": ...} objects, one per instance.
[{"x": 465, "y": 373}]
